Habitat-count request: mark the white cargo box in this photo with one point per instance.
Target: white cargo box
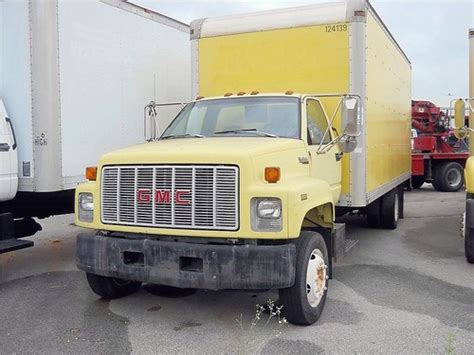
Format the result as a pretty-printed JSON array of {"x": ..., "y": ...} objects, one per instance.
[{"x": 75, "y": 77}]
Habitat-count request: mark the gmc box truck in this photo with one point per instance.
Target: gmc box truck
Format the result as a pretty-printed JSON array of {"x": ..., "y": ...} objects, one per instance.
[
  {"x": 74, "y": 79},
  {"x": 301, "y": 115}
]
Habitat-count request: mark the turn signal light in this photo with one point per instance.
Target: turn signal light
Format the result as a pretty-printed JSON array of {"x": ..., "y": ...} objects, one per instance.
[
  {"x": 272, "y": 174},
  {"x": 91, "y": 173}
]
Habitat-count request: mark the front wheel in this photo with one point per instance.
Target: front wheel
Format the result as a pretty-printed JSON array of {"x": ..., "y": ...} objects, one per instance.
[
  {"x": 303, "y": 303},
  {"x": 110, "y": 288}
]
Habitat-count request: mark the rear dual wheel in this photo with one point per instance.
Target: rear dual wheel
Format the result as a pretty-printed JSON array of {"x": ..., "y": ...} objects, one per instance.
[{"x": 385, "y": 211}]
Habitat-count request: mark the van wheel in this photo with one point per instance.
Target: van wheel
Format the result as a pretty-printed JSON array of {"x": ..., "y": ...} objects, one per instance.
[
  {"x": 448, "y": 177},
  {"x": 303, "y": 303},
  {"x": 390, "y": 210},
  {"x": 469, "y": 244},
  {"x": 110, "y": 288},
  {"x": 417, "y": 181}
]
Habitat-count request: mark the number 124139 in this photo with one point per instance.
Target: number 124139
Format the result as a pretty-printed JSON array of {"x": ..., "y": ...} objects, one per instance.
[{"x": 336, "y": 28}]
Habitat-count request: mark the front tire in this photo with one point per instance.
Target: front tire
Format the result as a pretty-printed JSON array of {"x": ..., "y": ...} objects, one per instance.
[
  {"x": 110, "y": 288},
  {"x": 303, "y": 303}
]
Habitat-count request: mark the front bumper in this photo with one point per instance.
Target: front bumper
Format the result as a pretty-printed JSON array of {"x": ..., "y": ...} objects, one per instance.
[{"x": 188, "y": 265}]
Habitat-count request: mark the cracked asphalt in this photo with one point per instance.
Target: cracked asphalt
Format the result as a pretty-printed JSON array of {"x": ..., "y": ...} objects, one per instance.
[{"x": 403, "y": 291}]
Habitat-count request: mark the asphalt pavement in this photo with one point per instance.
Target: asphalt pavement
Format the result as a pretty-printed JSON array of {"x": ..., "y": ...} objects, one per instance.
[{"x": 404, "y": 291}]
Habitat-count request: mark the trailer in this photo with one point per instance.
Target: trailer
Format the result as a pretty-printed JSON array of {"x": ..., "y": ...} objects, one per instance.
[
  {"x": 74, "y": 79},
  {"x": 438, "y": 156}
]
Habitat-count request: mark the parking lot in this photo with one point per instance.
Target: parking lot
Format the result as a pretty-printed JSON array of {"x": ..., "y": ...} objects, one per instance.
[{"x": 404, "y": 291}]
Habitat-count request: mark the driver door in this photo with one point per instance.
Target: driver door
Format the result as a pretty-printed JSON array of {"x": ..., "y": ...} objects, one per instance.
[{"x": 324, "y": 166}]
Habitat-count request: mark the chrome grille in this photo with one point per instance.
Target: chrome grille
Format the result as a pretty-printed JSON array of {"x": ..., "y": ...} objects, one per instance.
[{"x": 171, "y": 196}]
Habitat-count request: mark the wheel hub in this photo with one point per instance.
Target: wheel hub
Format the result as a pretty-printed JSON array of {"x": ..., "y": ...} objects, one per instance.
[
  {"x": 454, "y": 177},
  {"x": 316, "y": 278}
]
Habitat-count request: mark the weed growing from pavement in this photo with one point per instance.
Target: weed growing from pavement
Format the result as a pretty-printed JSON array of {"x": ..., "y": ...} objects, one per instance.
[
  {"x": 450, "y": 345},
  {"x": 262, "y": 327}
]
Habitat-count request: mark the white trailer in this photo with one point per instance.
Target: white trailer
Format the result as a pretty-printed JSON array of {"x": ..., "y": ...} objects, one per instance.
[{"x": 75, "y": 77}]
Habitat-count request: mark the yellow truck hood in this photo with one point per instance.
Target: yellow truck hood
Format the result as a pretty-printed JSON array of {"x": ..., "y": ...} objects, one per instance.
[{"x": 200, "y": 150}]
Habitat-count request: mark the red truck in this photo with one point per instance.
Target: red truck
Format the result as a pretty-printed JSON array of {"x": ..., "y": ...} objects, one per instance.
[{"x": 438, "y": 156}]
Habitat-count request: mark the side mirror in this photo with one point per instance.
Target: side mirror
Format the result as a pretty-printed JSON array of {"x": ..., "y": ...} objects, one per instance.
[
  {"x": 347, "y": 144},
  {"x": 350, "y": 112},
  {"x": 351, "y": 130},
  {"x": 459, "y": 113}
]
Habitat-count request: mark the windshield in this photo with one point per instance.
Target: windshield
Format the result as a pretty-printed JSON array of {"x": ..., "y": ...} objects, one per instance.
[{"x": 255, "y": 116}]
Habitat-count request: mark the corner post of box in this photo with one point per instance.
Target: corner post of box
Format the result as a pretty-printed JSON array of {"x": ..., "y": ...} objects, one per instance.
[
  {"x": 357, "y": 12},
  {"x": 195, "y": 35}
]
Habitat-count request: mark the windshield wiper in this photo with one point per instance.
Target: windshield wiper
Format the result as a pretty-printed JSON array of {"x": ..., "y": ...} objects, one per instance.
[
  {"x": 187, "y": 135},
  {"x": 252, "y": 130}
]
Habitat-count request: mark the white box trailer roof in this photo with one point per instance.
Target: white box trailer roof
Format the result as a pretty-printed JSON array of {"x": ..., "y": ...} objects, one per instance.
[{"x": 75, "y": 77}]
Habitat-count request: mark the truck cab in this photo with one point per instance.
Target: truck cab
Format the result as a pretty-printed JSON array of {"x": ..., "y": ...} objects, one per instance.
[{"x": 239, "y": 192}]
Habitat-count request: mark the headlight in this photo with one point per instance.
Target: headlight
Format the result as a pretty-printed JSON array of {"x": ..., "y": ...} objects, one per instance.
[
  {"x": 269, "y": 209},
  {"x": 86, "y": 207},
  {"x": 266, "y": 214}
]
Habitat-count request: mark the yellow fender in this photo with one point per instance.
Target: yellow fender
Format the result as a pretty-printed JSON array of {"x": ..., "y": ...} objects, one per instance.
[{"x": 312, "y": 199}]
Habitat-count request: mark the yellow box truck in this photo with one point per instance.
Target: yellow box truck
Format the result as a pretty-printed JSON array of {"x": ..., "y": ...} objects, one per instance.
[{"x": 302, "y": 115}]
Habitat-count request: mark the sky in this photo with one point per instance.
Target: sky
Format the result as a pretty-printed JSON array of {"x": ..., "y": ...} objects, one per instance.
[{"x": 433, "y": 33}]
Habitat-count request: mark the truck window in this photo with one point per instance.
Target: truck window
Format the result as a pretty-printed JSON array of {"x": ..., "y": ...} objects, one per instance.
[
  {"x": 232, "y": 117},
  {"x": 246, "y": 116},
  {"x": 317, "y": 123}
]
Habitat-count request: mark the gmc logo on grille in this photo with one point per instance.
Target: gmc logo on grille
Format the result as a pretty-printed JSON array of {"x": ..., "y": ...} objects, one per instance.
[{"x": 163, "y": 196}]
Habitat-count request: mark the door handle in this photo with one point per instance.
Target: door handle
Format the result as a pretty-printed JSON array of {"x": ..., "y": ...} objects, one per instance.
[
  {"x": 339, "y": 156},
  {"x": 4, "y": 147}
]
